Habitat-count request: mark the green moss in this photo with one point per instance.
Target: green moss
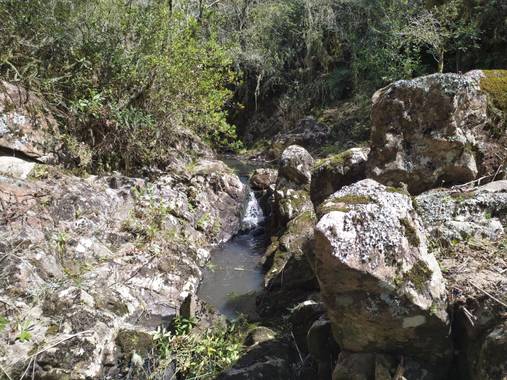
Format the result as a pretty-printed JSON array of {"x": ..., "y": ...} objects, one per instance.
[
  {"x": 335, "y": 160},
  {"x": 398, "y": 190},
  {"x": 495, "y": 84},
  {"x": 419, "y": 275},
  {"x": 410, "y": 232},
  {"x": 461, "y": 197},
  {"x": 138, "y": 341}
]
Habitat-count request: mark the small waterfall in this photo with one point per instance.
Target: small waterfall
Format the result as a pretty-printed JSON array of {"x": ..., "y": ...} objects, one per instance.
[{"x": 253, "y": 214}]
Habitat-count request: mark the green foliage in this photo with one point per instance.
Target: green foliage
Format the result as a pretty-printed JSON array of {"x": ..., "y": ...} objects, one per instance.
[
  {"x": 203, "y": 356},
  {"x": 24, "y": 334},
  {"x": 124, "y": 77}
]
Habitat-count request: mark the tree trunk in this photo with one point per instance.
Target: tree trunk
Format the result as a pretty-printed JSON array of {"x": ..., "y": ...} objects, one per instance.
[{"x": 441, "y": 62}]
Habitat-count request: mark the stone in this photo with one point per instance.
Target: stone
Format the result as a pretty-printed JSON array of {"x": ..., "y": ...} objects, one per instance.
[
  {"x": 259, "y": 335},
  {"x": 492, "y": 355},
  {"x": 334, "y": 172},
  {"x": 107, "y": 259},
  {"x": 296, "y": 165},
  {"x": 292, "y": 187},
  {"x": 383, "y": 290},
  {"x": 263, "y": 179},
  {"x": 15, "y": 167},
  {"x": 286, "y": 260},
  {"x": 434, "y": 131},
  {"x": 267, "y": 360},
  {"x": 451, "y": 216},
  {"x": 27, "y": 128}
]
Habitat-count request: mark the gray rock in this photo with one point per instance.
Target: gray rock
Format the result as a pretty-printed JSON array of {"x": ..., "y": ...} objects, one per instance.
[
  {"x": 259, "y": 335},
  {"x": 26, "y": 126},
  {"x": 432, "y": 131},
  {"x": 296, "y": 165},
  {"x": 383, "y": 290},
  {"x": 332, "y": 173},
  {"x": 15, "y": 167}
]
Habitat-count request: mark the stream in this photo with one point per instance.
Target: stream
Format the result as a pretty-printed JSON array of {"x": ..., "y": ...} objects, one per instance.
[{"x": 234, "y": 274}]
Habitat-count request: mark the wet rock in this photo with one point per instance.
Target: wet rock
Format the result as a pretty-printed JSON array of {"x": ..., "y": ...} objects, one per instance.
[
  {"x": 27, "y": 128},
  {"x": 382, "y": 289},
  {"x": 263, "y": 179},
  {"x": 332, "y": 173},
  {"x": 434, "y": 131}
]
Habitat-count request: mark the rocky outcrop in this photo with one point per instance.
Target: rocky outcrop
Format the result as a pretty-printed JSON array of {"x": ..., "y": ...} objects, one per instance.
[
  {"x": 466, "y": 227},
  {"x": 383, "y": 290},
  {"x": 436, "y": 130},
  {"x": 27, "y": 128},
  {"x": 334, "y": 172},
  {"x": 293, "y": 220},
  {"x": 89, "y": 261}
]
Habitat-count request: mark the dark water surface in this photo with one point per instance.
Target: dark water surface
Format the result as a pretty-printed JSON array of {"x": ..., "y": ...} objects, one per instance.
[{"x": 233, "y": 274}]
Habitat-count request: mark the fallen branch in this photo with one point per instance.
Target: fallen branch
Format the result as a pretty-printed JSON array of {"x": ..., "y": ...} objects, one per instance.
[
  {"x": 6, "y": 374},
  {"x": 297, "y": 348},
  {"x": 488, "y": 294}
]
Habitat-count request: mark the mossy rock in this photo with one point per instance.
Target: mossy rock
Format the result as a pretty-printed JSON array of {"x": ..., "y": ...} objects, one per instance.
[
  {"x": 494, "y": 83},
  {"x": 131, "y": 340}
]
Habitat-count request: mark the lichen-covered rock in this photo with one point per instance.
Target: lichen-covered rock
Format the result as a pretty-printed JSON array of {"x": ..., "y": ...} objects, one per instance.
[
  {"x": 332, "y": 173},
  {"x": 434, "y": 131},
  {"x": 87, "y": 258},
  {"x": 451, "y": 216},
  {"x": 15, "y": 167},
  {"x": 384, "y": 291},
  {"x": 26, "y": 126},
  {"x": 296, "y": 165},
  {"x": 292, "y": 186},
  {"x": 468, "y": 239}
]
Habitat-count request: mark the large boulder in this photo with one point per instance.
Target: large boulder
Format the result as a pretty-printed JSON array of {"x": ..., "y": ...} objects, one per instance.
[
  {"x": 292, "y": 187},
  {"x": 438, "y": 130},
  {"x": 384, "y": 291},
  {"x": 27, "y": 128},
  {"x": 332, "y": 173}
]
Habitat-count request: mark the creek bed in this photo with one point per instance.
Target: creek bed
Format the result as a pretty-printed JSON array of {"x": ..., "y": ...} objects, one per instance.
[{"x": 234, "y": 274}]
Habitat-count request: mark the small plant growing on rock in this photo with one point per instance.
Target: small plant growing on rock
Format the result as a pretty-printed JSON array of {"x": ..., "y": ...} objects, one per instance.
[
  {"x": 24, "y": 334},
  {"x": 3, "y": 322}
]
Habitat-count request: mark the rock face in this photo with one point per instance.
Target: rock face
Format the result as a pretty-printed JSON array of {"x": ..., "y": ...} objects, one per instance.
[
  {"x": 91, "y": 260},
  {"x": 26, "y": 127},
  {"x": 383, "y": 290},
  {"x": 332, "y": 173},
  {"x": 434, "y": 131},
  {"x": 467, "y": 230}
]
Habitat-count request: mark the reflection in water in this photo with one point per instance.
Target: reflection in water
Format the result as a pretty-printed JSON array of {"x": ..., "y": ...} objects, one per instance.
[{"x": 234, "y": 274}]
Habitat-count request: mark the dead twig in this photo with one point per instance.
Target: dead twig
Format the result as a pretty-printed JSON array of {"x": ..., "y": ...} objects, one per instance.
[
  {"x": 297, "y": 348},
  {"x": 5, "y": 372},
  {"x": 488, "y": 294}
]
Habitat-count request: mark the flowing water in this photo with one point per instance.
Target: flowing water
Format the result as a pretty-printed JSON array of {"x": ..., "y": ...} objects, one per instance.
[{"x": 234, "y": 274}]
